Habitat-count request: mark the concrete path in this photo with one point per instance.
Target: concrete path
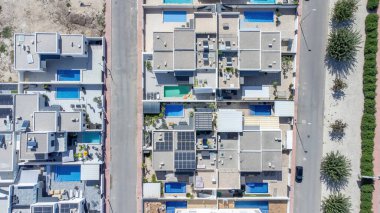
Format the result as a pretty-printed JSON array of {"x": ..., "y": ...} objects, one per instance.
[
  {"x": 376, "y": 153},
  {"x": 310, "y": 105}
]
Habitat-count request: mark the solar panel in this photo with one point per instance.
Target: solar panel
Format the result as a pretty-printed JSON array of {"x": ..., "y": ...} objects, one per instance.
[
  {"x": 203, "y": 121},
  {"x": 65, "y": 208},
  {"x": 185, "y": 137},
  {"x": 42, "y": 209},
  {"x": 6, "y": 100},
  {"x": 166, "y": 144},
  {"x": 184, "y": 160},
  {"x": 186, "y": 141}
]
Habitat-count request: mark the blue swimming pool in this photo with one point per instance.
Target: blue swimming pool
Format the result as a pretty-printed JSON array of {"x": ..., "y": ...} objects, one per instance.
[
  {"x": 67, "y": 93},
  {"x": 68, "y": 75},
  {"x": 261, "y": 110},
  {"x": 259, "y": 16},
  {"x": 91, "y": 137},
  {"x": 174, "y": 110},
  {"x": 174, "y": 16},
  {"x": 263, "y": 1},
  {"x": 178, "y": 1},
  {"x": 262, "y": 205},
  {"x": 256, "y": 188},
  {"x": 172, "y": 205},
  {"x": 175, "y": 187},
  {"x": 67, "y": 173}
]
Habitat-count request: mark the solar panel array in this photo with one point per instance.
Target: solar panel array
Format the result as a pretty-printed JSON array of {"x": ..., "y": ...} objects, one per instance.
[
  {"x": 184, "y": 160},
  {"x": 186, "y": 141},
  {"x": 203, "y": 121},
  {"x": 6, "y": 100},
  {"x": 42, "y": 209},
  {"x": 66, "y": 207},
  {"x": 167, "y": 144}
]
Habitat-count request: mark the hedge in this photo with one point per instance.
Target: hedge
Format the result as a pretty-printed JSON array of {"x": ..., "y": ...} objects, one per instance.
[
  {"x": 368, "y": 123},
  {"x": 372, "y": 4}
]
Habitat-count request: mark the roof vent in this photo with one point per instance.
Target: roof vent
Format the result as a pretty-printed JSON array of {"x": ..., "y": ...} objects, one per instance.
[
  {"x": 270, "y": 45},
  {"x": 79, "y": 46},
  {"x": 157, "y": 37}
]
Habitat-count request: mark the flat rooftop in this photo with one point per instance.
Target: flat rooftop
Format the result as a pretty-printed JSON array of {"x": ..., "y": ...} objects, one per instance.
[
  {"x": 72, "y": 44},
  {"x": 260, "y": 151},
  {"x": 71, "y": 121},
  {"x": 39, "y": 151},
  {"x": 6, "y": 153},
  {"x": 45, "y": 121},
  {"x": 25, "y": 56},
  {"x": 184, "y": 39},
  {"x": 163, "y": 41},
  {"x": 25, "y": 106},
  {"x": 47, "y": 43}
]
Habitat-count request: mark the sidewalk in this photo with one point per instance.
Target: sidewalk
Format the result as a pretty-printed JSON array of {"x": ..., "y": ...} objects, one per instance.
[
  {"x": 107, "y": 92},
  {"x": 376, "y": 152}
]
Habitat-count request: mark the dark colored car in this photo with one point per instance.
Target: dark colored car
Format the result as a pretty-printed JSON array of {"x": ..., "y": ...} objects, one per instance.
[{"x": 299, "y": 174}]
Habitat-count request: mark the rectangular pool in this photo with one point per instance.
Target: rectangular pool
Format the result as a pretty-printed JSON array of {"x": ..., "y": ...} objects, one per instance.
[
  {"x": 174, "y": 16},
  {"x": 172, "y": 205},
  {"x": 91, "y": 137},
  {"x": 67, "y": 173},
  {"x": 178, "y": 1},
  {"x": 256, "y": 188},
  {"x": 68, "y": 75},
  {"x": 261, "y": 110},
  {"x": 259, "y": 16},
  {"x": 263, "y": 1},
  {"x": 174, "y": 110},
  {"x": 176, "y": 91},
  {"x": 175, "y": 187},
  {"x": 262, "y": 205},
  {"x": 67, "y": 93}
]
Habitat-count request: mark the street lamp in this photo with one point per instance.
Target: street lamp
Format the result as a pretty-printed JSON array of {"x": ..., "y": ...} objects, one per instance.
[
  {"x": 301, "y": 21},
  {"x": 299, "y": 135}
]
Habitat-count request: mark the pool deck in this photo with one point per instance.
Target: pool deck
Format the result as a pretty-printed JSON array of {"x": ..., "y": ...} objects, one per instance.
[
  {"x": 87, "y": 99},
  {"x": 91, "y": 69}
]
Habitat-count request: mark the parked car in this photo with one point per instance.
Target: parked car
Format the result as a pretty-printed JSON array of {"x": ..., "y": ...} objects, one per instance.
[{"x": 299, "y": 174}]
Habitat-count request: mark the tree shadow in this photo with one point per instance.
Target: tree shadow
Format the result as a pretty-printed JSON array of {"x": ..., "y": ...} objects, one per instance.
[
  {"x": 340, "y": 69},
  {"x": 334, "y": 186},
  {"x": 336, "y": 135},
  {"x": 338, "y": 95}
]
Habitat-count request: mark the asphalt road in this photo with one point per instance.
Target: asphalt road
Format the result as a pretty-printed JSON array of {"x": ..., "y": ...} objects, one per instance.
[
  {"x": 123, "y": 107},
  {"x": 307, "y": 195}
]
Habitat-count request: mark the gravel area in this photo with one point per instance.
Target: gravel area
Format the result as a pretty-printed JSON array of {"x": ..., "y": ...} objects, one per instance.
[{"x": 349, "y": 108}]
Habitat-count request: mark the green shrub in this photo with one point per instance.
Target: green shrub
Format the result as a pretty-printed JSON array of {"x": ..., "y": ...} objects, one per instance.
[
  {"x": 368, "y": 123},
  {"x": 372, "y": 4},
  {"x": 7, "y": 32},
  {"x": 344, "y": 10}
]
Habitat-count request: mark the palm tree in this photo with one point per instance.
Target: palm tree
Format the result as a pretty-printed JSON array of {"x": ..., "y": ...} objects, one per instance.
[
  {"x": 343, "y": 44},
  {"x": 336, "y": 203},
  {"x": 335, "y": 168}
]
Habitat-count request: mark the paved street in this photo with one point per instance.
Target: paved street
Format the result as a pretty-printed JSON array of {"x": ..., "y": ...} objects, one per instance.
[
  {"x": 123, "y": 107},
  {"x": 310, "y": 104}
]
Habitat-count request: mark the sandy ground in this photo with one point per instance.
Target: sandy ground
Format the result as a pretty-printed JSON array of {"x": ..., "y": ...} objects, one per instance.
[
  {"x": 349, "y": 109},
  {"x": 64, "y": 16}
]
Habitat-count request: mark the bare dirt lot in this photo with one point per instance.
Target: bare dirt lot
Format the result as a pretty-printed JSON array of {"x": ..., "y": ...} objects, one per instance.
[{"x": 29, "y": 16}]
